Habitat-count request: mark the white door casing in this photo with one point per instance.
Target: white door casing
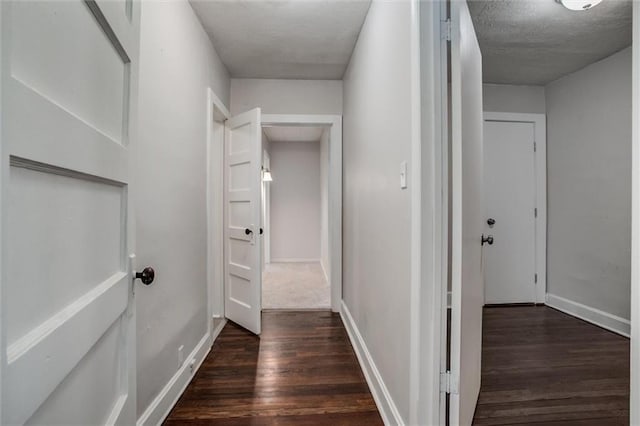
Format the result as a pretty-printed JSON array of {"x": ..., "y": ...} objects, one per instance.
[
  {"x": 68, "y": 92},
  {"x": 510, "y": 200},
  {"x": 243, "y": 217},
  {"x": 467, "y": 215}
]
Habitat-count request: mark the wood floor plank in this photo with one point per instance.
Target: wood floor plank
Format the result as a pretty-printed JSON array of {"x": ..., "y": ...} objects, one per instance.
[
  {"x": 301, "y": 371},
  {"x": 543, "y": 367}
]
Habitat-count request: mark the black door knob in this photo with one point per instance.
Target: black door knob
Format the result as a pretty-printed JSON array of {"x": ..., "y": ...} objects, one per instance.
[
  {"x": 247, "y": 231},
  {"x": 491, "y": 221},
  {"x": 146, "y": 276},
  {"x": 488, "y": 239},
  {"x": 261, "y": 231}
]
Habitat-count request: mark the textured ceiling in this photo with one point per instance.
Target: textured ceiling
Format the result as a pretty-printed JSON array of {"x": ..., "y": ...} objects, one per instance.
[
  {"x": 538, "y": 41},
  {"x": 293, "y": 133},
  {"x": 296, "y": 39}
]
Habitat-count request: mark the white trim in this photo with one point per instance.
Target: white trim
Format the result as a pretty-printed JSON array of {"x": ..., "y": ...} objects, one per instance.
[
  {"x": 432, "y": 314},
  {"x": 294, "y": 260},
  {"x": 216, "y": 111},
  {"x": 387, "y": 408},
  {"x": 216, "y": 331},
  {"x": 335, "y": 189},
  {"x": 539, "y": 122},
  {"x": 635, "y": 221},
  {"x": 162, "y": 404},
  {"x": 415, "y": 188},
  {"x": 595, "y": 316}
]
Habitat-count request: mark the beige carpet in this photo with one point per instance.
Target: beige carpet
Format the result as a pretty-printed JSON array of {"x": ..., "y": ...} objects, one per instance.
[{"x": 295, "y": 286}]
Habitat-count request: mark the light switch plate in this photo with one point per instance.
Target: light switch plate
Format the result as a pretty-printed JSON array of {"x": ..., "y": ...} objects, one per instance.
[{"x": 403, "y": 175}]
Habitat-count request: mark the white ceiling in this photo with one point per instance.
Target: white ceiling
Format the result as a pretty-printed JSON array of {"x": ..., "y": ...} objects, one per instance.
[
  {"x": 538, "y": 41},
  {"x": 295, "y": 39},
  {"x": 293, "y": 133}
]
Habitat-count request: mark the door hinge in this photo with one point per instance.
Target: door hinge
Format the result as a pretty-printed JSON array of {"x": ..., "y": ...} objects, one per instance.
[
  {"x": 445, "y": 30},
  {"x": 535, "y": 279},
  {"x": 535, "y": 212},
  {"x": 448, "y": 383},
  {"x": 535, "y": 146}
]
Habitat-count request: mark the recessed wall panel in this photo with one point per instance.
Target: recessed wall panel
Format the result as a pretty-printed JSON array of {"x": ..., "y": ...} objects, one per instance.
[
  {"x": 240, "y": 214},
  {"x": 239, "y": 288},
  {"x": 242, "y": 139},
  {"x": 59, "y": 50},
  {"x": 88, "y": 395},
  {"x": 64, "y": 236},
  {"x": 239, "y": 252},
  {"x": 240, "y": 177}
]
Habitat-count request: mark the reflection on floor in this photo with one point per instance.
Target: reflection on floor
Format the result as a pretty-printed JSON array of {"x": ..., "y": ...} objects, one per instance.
[
  {"x": 295, "y": 286},
  {"x": 301, "y": 371},
  {"x": 543, "y": 367}
]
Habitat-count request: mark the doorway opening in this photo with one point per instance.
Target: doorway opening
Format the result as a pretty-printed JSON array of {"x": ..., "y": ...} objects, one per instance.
[
  {"x": 302, "y": 212},
  {"x": 510, "y": 243},
  {"x": 296, "y": 264},
  {"x": 240, "y": 207}
]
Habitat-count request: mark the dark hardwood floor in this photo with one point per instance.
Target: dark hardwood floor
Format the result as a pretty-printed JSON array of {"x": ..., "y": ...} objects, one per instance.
[
  {"x": 540, "y": 366},
  {"x": 301, "y": 371}
]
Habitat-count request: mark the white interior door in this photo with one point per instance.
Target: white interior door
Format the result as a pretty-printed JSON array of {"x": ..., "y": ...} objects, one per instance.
[
  {"x": 467, "y": 215},
  {"x": 510, "y": 199},
  {"x": 68, "y": 89},
  {"x": 243, "y": 211}
]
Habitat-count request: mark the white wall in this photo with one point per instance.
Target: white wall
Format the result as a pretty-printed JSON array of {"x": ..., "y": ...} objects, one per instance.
[
  {"x": 286, "y": 96},
  {"x": 589, "y": 185},
  {"x": 266, "y": 201},
  {"x": 324, "y": 204},
  {"x": 295, "y": 201},
  {"x": 377, "y": 213},
  {"x": 511, "y": 98},
  {"x": 178, "y": 63}
]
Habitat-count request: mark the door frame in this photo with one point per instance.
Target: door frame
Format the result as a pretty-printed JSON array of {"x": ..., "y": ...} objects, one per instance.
[
  {"x": 539, "y": 122},
  {"x": 334, "y": 123},
  {"x": 217, "y": 114},
  {"x": 635, "y": 221}
]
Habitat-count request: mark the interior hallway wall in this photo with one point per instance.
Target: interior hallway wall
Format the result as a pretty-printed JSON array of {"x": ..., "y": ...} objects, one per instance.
[
  {"x": 376, "y": 211},
  {"x": 286, "y": 96},
  {"x": 589, "y": 185},
  {"x": 177, "y": 65},
  {"x": 512, "y": 98},
  {"x": 324, "y": 204},
  {"x": 295, "y": 201}
]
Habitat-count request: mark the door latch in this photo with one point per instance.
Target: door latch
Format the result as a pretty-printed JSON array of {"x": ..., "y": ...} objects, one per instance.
[{"x": 487, "y": 240}]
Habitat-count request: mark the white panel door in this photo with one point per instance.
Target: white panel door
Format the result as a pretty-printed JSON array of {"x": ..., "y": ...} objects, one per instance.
[
  {"x": 509, "y": 197},
  {"x": 67, "y": 89},
  {"x": 243, "y": 218},
  {"x": 467, "y": 214}
]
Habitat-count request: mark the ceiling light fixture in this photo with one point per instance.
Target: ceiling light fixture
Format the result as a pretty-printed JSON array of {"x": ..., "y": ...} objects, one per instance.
[{"x": 579, "y": 4}]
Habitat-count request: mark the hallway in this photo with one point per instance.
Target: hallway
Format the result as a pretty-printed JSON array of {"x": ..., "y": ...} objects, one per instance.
[
  {"x": 541, "y": 366},
  {"x": 301, "y": 371}
]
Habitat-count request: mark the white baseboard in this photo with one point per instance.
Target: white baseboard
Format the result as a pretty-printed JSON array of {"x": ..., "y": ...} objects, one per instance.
[
  {"x": 161, "y": 406},
  {"x": 595, "y": 316},
  {"x": 216, "y": 331},
  {"x": 384, "y": 402},
  {"x": 293, "y": 260}
]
